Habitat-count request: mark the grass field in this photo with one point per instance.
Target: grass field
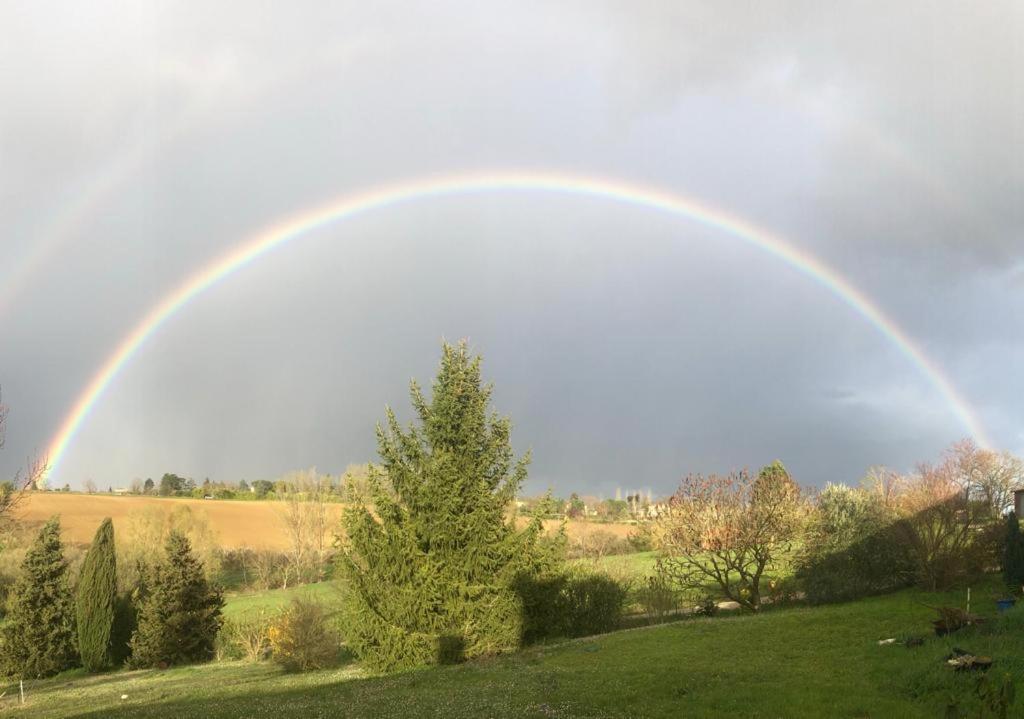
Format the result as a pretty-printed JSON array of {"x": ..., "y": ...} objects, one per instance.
[
  {"x": 235, "y": 523},
  {"x": 238, "y": 605},
  {"x": 801, "y": 662},
  {"x": 637, "y": 564}
]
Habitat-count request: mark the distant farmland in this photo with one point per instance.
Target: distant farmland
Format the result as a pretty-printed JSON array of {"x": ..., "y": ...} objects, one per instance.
[{"x": 236, "y": 523}]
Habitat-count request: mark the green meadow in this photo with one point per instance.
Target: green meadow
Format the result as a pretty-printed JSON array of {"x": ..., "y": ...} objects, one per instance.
[{"x": 796, "y": 662}]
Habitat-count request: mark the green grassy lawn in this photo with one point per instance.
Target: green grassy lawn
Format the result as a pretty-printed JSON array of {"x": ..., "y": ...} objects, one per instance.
[
  {"x": 799, "y": 662},
  {"x": 638, "y": 564},
  {"x": 237, "y": 605}
]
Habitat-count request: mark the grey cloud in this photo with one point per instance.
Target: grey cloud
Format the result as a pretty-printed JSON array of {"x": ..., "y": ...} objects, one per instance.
[{"x": 627, "y": 346}]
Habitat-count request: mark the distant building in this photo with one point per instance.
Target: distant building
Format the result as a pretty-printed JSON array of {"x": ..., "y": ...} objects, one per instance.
[
  {"x": 122, "y": 490},
  {"x": 1018, "y": 502}
]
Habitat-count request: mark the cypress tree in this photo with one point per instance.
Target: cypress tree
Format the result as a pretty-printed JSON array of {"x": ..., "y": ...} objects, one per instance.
[
  {"x": 180, "y": 613},
  {"x": 97, "y": 599},
  {"x": 1013, "y": 557},
  {"x": 38, "y": 638},
  {"x": 430, "y": 560}
]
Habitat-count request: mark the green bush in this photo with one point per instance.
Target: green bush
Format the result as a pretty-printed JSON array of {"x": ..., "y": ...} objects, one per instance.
[
  {"x": 569, "y": 604},
  {"x": 656, "y": 596},
  {"x": 641, "y": 539},
  {"x": 302, "y": 639},
  {"x": 853, "y": 547}
]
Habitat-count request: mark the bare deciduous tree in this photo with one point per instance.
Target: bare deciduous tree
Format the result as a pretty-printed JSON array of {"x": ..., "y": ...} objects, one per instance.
[
  {"x": 266, "y": 568},
  {"x": 939, "y": 513},
  {"x": 884, "y": 484},
  {"x": 147, "y": 529},
  {"x": 12, "y": 492},
  {"x": 730, "y": 530},
  {"x": 304, "y": 515},
  {"x": 990, "y": 476}
]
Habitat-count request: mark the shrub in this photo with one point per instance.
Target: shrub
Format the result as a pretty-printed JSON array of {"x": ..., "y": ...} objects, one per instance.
[
  {"x": 595, "y": 604},
  {"x": 657, "y": 597},
  {"x": 302, "y": 639},
  {"x": 853, "y": 547},
  {"x": 96, "y": 598},
  {"x": 248, "y": 636},
  {"x": 38, "y": 636},
  {"x": 596, "y": 543},
  {"x": 941, "y": 517},
  {"x": 180, "y": 613},
  {"x": 569, "y": 604},
  {"x": 641, "y": 539}
]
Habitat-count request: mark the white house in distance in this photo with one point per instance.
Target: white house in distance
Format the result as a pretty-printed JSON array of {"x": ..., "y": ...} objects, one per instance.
[{"x": 1018, "y": 501}]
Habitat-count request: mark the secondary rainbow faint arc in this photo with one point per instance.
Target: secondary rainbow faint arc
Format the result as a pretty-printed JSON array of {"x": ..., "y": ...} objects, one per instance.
[{"x": 420, "y": 189}]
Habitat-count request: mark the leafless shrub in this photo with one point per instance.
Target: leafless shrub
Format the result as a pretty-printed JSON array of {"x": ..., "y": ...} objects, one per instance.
[{"x": 248, "y": 636}]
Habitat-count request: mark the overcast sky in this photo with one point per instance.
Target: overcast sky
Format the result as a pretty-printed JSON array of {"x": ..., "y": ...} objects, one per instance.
[{"x": 139, "y": 140}]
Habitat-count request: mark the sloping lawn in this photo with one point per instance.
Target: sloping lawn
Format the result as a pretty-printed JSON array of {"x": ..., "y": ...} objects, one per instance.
[
  {"x": 237, "y": 605},
  {"x": 801, "y": 662}
]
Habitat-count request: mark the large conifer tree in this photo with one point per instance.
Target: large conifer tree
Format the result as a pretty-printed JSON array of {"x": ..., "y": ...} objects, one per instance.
[
  {"x": 38, "y": 638},
  {"x": 428, "y": 561},
  {"x": 97, "y": 599},
  {"x": 1013, "y": 557},
  {"x": 180, "y": 613}
]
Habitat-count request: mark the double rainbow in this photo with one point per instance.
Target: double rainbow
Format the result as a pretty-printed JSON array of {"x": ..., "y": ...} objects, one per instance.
[{"x": 534, "y": 181}]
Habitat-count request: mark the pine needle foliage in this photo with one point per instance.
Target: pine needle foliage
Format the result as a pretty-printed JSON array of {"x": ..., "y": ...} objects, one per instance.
[
  {"x": 430, "y": 556},
  {"x": 97, "y": 598},
  {"x": 38, "y": 636},
  {"x": 180, "y": 613}
]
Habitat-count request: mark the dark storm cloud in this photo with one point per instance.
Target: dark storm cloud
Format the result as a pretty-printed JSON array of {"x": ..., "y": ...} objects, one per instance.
[
  {"x": 628, "y": 347},
  {"x": 927, "y": 99}
]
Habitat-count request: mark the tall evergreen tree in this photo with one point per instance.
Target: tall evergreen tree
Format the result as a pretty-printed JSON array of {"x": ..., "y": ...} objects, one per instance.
[
  {"x": 97, "y": 599},
  {"x": 1013, "y": 558},
  {"x": 180, "y": 613},
  {"x": 429, "y": 560},
  {"x": 38, "y": 638}
]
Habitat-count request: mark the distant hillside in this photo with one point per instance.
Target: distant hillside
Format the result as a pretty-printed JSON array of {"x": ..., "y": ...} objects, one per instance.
[{"x": 237, "y": 523}]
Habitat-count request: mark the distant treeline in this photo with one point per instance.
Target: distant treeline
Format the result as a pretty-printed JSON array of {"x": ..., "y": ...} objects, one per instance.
[{"x": 327, "y": 487}]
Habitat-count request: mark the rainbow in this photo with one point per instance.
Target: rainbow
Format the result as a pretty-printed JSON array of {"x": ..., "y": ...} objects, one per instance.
[{"x": 347, "y": 206}]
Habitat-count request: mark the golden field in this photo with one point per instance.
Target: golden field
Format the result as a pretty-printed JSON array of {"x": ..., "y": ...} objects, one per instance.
[{"x": 235, "y": 523}]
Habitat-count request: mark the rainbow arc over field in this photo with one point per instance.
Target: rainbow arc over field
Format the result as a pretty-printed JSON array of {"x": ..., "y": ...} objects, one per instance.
[{"x": 305, "y": 222}]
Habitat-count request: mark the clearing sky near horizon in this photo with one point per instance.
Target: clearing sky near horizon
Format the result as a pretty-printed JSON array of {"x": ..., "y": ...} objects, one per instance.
[{"x": 880, "y": 147}]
